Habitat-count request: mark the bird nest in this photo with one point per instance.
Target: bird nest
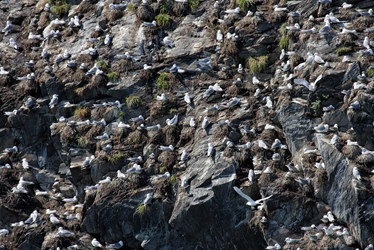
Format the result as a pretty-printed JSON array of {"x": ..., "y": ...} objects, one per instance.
[
  {"x": 365, "y": 159},
  {"x": 230, "y": 48},
  {"x": 172, "y": 134},
  {"x": 167, "y": 159},
  {"x": 114, "y": 15},
  {"x": 352, "y": 152},
  {"x": 145, "y": 13},
  {"x": 157, "y": 137}
]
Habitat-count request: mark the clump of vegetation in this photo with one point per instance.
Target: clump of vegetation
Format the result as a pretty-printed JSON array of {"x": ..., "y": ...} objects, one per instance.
[
  {"x": 163, "y": 169},
  {"x": 165, "y": 7},
  {"x": 59, "y": 8},
  {"x": 172, "y": 180},
  {"x": 103, "y": 64},
  {"x": 283, "y": 41},
  {"x": 163, "y": 19},
  {"x": 193, "y": 4},
  {"x": 112, "y": 76},
  {"x": 343, "y": 50},
  {"x": 244, "y": 4},
  {"x": 114, "y": 158},
  {"x": 257, "y": 64},
  {"x": 80, "y": 91},
  {"x": 316, "y": 104},
  {"x": 131, "y": 7},
  {"x": 172, "y": 111},
  {"x": 81, "y": 141},
  {"x": 161, "y": 82},
  {"x": 82, "y": 112},
  {"x": 142, "y": 209},
  {"x": 133, "y": 101},
  {"x": 370, "y": 72}
]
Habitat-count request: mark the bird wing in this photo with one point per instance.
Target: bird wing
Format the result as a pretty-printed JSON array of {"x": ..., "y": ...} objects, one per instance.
[
  {"x": 318, "y": 79},
  {"x": 263, "y": 199},
  {"x": 249, "y": 199},
  {"x": 303, "y": 82}
]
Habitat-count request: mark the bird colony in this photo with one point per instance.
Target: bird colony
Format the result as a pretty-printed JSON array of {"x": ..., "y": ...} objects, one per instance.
[{"x": 152, "y": 125}]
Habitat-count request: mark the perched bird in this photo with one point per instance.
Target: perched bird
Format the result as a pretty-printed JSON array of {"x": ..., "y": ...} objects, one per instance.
[
  {"x": 356, "y": 173},
  {"x": 205, "y": 123},
  {"x": 233, "y": 11},
  {"x": 187, "y": 98},
  {"x": 13, "y": 43},
  {"x": 150, "y": 24},
  {"x": 107, "y": 40},
  {"x": 63, "y": 233},
  {"x": 173, "y": 121},
  {"x": 167, "y": 148},
  {"x": 96, "y": 243},
  {"x": 168, "y": 42},
  {"x": 184, "y": 155},
  {"x": 106, "y": 180},
  {"x": 148, "y": 199},
  {"x": 210, "y": 149},
  {"x": 53, "y": 101},
  {"x": 251, "y": 175},
  {"x": 161, "y": 97},
  {"x": 13, "y": 149},
  {"x": 116, "y": 245},
  {"x": 8, "y": 27},
  {"x": 137, "y": 119},
  {"x": 54, "y": 219},
  {"x": 192, "y": 122}
]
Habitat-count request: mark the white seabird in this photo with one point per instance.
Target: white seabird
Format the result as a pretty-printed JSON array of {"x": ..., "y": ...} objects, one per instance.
[
  {"x": 250, "y": 201},
  {"x": 233, "y": 11},
  {"x": 167, "y": 148},
  {"x": 54, "y": 219},
  {"x": 184, "y": 155},
  {"x": 96, "y": 243},
  {"x": 311, "y": 86},
  {"x": 205, "y": 123},
  {"x": 63, "y": 233},
  {"x": 210, "y": 149},
  {"x": 173, "y": 121},
  {"x": 8, "y": 27},
  {"x": 356, "y": 173}
]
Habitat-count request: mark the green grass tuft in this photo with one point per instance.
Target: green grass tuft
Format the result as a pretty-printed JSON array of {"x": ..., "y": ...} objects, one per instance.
[
  {"x": 257, "y": 64},
  {"x": 172, "y": 111},
  {"x": 131, "y": 7},
  {"x": 193, "y": 4},
  {"x": 103, "y": 64},
  {"x": 172, "y": 180},
  {"x": 82, "y": 112},
  {"x": 113, "y": 76},
  {"x": 163, "y": 20},
  {"x": 283, "y": 42},
  {"x": 316, "y": 104},
  {"x": 283, "y": 30},
  {"x": 81, "y": 141},
  {"x": 133, "y": 101},
  {"x": 370, "y": 72},
  {"x": 142, "y": 209},
  {"x": 343, "y": 50},
  {"x": 244, "y": 4},
  {"x": 60, "y": 8},
  {"x": 161, "y": 82},
  {"x": 114, "y": 158},
  {"x": 163, "y": 170}
]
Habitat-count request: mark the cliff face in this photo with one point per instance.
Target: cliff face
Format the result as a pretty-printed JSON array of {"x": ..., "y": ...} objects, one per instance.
[{"x": 108, "y": 158}]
